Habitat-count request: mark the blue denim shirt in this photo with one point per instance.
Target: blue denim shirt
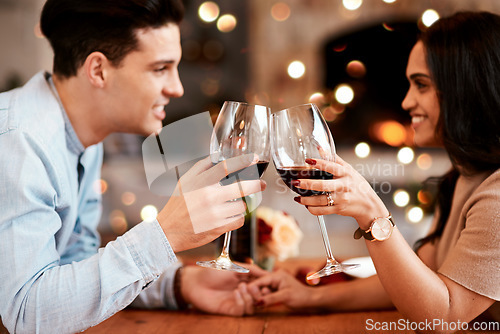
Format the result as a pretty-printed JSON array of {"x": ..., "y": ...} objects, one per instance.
[{"x": 53, "y": 277}]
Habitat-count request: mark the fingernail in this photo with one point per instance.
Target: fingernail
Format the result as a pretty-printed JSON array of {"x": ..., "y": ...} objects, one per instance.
[
  {"x": 295, "y": 183},
  {"x": 259, "y": 303},
  {"x": 311, "y": 161},
  {"x": 297, "y": 199}
]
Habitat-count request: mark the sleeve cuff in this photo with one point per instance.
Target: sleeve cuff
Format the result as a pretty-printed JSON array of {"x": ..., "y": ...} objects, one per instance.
[{"x": 150, "y": 249}]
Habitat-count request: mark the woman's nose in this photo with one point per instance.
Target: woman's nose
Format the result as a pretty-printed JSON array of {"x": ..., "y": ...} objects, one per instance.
[{"x": 408, "y": 102}]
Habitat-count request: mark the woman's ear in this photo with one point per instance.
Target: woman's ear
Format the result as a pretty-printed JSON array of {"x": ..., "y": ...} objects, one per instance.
[{"x": 94, "y": 68}]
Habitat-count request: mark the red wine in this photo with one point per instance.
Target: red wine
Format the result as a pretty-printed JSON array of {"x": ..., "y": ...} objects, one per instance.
[
  {"x": 249, "y": 173},
  {"x": 288, "y": 174}
]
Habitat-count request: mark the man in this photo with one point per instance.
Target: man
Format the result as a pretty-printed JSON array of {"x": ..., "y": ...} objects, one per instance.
[{"x": 115, "y": 69}]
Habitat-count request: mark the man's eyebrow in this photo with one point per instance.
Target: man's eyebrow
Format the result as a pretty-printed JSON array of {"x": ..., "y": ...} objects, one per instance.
[
  {"x": 164, "y": 61},
  {"x": 419, "y": 75}
]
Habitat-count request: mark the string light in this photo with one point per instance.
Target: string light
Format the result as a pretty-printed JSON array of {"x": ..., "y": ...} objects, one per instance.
[
  {"x": 226, "y": 23},
  {"x": 429, "y": 17},
  {"x": 362, "y": 150},
  {"x": 208, "y": 11},
  {"x": 280, "y": 11},
  {"x": 149, "y": 213},
  {"x": 352, "y": 4},
  {"x": 344, "y": 94},
  {"x": 406, "y": 155},
  {"x": 401, "y": 198},
  {"x": 296, "y": 69}
]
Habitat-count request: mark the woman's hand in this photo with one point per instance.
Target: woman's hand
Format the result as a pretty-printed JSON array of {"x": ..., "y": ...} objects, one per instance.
[{"x": 352, "y": 195}]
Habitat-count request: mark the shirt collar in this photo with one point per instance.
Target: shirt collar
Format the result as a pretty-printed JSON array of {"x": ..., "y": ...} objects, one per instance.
[{"x": 74, "y": 143}]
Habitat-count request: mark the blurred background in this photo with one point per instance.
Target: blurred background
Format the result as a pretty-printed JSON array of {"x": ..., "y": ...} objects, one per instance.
[{"x": 347, "y": 56}]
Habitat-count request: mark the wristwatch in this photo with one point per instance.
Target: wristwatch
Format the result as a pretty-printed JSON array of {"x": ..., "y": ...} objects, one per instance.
[{"x": 380, "y": 229}]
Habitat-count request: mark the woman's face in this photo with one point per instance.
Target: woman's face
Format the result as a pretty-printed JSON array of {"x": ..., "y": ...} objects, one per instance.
[{"x": 421, "y": 100}]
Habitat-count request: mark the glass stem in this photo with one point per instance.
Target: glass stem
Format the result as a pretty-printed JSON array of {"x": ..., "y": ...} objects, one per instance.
[
  {"x": 326, "y": 241},
  {"x": 225, "y": 247}
]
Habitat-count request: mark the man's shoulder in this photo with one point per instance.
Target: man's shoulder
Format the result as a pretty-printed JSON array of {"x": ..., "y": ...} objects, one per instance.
[{"x": 30, "y": 107}]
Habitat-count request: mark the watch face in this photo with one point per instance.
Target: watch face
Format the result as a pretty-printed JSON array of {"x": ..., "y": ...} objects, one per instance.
[{"x": 381, "y": 229}]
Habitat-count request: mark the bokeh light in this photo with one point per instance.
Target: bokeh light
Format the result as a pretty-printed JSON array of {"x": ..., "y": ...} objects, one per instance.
[
  {"x": 317, "y": 98},
  {"x": 429, "y": 17},
  {"x": 415, "y": 215},
  {"x": 296, "y": 69},
  {"x": 100, "y": 186},
  {"x": 128, "y": 198},
  {"x": 362, "y": 150},
  {"x": 424, "y": 197},
  {"x": 208, "y": 11},
  {"x": 280, "y": 11},
  {"x": 356, "y": 69},
  {"x": 390, "y": 132},
  {"x": 344, "y": 94},
  {"x": 213, "y": 50},
  {"x": 329, "y": 114},
  {"x": 401, "y": 198},
  {"x": 406, "y": 155},
  {"x": 226, "y": 23},
  {"x": 118, "y": 222},
  {"x": 352, "y": 4},
  {"x": 389, "y": 1},
  {"x": 149, "y": 213},
  {"x": 424, "y": 161}
]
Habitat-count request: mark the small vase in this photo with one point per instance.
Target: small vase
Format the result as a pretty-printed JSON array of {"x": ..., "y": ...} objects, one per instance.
[{"x": 266, "y": 262}]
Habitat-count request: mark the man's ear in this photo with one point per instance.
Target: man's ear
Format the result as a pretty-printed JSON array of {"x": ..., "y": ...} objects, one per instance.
[{"x": 94, "y": 67}]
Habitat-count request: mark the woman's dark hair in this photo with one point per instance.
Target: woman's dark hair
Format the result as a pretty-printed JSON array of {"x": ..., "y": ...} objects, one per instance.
[
  {"x": 76, "y": 28},
  {"x": 463, "y": 55}
]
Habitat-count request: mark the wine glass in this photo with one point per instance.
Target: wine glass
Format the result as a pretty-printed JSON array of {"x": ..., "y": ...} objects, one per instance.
[
  {"x": 299, "y": 133},
  {"x": 240, "y": 129}
]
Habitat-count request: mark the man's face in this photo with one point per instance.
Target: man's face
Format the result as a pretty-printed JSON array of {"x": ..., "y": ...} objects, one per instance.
[{"x": 142, "y": 85}]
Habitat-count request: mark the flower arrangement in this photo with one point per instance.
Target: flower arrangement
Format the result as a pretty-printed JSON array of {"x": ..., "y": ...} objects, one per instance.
[{"x": 279, "y": 235}]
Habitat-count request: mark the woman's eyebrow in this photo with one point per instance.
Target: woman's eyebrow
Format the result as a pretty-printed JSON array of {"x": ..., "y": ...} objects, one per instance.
[{"x": 419, "y": 75}]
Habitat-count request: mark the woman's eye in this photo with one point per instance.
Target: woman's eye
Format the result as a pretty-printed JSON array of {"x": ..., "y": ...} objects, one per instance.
[
  {"x": 161, "y": 69},
  {"x": 420, "y": 85}
]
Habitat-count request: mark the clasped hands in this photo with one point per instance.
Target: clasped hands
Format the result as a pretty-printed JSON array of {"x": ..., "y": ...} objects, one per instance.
[{"x": 230, "y": 293}]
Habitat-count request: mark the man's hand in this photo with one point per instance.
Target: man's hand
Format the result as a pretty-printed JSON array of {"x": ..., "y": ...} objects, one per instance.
[
  {"x": 201, "y": 209},
  {"x": 216, "y": 291}
]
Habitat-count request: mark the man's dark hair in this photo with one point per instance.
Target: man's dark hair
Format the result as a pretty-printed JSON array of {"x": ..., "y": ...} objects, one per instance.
[{"x": 76, "y": 28}]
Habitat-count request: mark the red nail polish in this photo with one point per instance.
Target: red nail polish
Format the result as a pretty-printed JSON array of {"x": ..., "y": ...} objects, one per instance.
[
  {"x": 295, "y": 183},
  {"x": 297, "y": 199},
  {"x": 311, "y": 161},
  {"x": 259, "y": 303}
]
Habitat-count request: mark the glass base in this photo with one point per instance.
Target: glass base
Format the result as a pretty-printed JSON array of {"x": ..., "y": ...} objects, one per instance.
[
  {"x": 331, "y": 267},
  {"x": 223, "y": 263}
]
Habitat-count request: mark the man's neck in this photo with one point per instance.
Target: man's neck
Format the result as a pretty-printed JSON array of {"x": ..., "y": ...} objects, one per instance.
[{"x": 79, "y": 101}]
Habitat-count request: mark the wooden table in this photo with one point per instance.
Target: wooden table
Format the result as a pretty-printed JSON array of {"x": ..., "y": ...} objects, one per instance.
[
  {"x": 273, "y": 320},
  {"x": 187, "y": 322},
  {"x": 179, "y": 322}
]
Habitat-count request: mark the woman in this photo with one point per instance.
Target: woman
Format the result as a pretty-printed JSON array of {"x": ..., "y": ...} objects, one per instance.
[{"x": 454, "y": 102}]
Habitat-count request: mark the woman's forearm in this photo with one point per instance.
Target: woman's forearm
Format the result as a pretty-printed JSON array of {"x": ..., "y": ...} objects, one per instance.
[{"x": 359, "y": 294}]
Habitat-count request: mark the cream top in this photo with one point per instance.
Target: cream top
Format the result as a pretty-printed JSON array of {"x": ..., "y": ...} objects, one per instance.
[{"x": 468, "y": 251}]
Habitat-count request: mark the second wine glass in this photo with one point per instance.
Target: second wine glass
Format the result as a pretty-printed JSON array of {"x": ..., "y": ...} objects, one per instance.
[
  {"x": 299, "y": 133},
  {"x": 240, "y": 129}
]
